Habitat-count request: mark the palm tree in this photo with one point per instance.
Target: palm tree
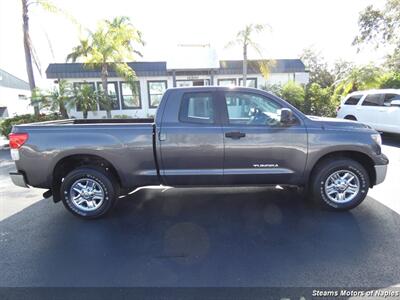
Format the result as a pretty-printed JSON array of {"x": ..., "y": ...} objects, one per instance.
[
  {"x": 244, "y": 38},
  {"x": 30, "y": 54},
  {"x": 357, "y": 78},
  {"x": 59, "y": 99},
  {"x": 85, "y": 98},
  {"x": 109, "y": 47}
]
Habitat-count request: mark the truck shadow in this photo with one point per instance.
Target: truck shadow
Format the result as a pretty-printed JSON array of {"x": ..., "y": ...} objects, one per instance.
[
  {"x": 391, "y": 140},
  {"x": 203, "y": 237}
]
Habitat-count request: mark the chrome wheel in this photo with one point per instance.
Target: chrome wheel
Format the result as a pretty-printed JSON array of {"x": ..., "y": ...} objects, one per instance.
[
  {"x": 86, "y": 194},
  {"x": 342, "y": 186}
]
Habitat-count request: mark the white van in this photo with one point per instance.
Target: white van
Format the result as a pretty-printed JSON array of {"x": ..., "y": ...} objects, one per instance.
[{"x": 378, "y": 108}]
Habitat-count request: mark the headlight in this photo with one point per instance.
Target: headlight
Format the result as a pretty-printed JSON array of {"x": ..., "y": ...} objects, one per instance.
[{"x": 377, "y": 138}]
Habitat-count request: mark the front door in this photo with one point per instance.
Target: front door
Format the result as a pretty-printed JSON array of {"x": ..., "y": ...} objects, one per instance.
[
  {"x": 389, "y": 116},
  {"x": 191, "y": 140},
  {"x": 258, "y": 148}
]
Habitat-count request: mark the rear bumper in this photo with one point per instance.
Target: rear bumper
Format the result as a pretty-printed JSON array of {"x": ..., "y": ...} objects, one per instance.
[
  {"x": 380, "y": 171},
  {"x": 18, "y": 179}
]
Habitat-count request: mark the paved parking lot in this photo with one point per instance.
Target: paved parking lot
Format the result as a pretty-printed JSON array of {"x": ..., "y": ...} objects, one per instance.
[{"x": 202, "y": 237}]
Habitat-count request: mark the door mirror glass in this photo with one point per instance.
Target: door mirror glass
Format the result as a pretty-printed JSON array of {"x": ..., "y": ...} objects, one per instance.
[
  {"x": 395, "y": 103},
  {"x": 287, "y": 116}
]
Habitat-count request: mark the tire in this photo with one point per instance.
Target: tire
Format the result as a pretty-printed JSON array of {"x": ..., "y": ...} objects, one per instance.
[
  {"x": 99, "y": 200},
  {"x": 350, "y": 117},
  {"x": 333, "y": 178}
]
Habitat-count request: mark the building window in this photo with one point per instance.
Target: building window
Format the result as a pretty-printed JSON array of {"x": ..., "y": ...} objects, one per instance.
[
  {"x": 79, "y": 85},
  {"x": 194, "y": 82},
  {"x": 227, "y": 82},
  {"x": 112, "y": 90},
  {"x": 130, "y": 93},
  {"x": 250, "y": 82},
  {"x": 156, "y": 90}
]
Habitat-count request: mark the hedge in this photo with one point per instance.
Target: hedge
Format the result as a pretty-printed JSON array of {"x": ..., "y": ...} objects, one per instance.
[{"x": 7, "y": 124}]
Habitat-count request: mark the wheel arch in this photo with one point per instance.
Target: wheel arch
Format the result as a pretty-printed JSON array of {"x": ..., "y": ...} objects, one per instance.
[
  {"x": 360, "y": 157},
  {"x": 71, "y": 162}
]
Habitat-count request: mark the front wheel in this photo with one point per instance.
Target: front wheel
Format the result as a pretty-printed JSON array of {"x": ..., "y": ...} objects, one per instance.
[
  {"x": 89, "y": 192},
  {"x": 339, "y": 184}
]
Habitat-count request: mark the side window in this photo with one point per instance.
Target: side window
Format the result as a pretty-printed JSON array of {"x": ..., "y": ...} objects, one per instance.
[
  {"x": 197, "y": 108},
  {"x": 353, "y": 100},
  {"x": 373, "y": 100},
  {"x": 252, "y": 109},
  {"x": 389, "y": 98}
]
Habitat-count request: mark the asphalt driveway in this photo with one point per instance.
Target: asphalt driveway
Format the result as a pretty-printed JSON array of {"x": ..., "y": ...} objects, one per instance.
[{"x": 202, "y": 237}]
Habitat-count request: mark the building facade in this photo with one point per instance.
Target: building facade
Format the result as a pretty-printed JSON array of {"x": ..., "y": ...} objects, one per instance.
[
  {"x": 142, "y": 99},
  {"x": 14, "y": 96}
]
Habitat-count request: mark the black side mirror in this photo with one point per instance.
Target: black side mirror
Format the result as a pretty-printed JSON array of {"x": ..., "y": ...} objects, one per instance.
[{"x": 287, "y": 116}]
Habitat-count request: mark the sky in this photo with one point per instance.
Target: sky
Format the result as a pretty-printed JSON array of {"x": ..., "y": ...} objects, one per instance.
[{"x": 328, "y": 26}]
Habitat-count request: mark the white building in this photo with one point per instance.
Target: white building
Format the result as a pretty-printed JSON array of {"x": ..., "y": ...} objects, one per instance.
[
  {"x": 14, "y": 96},
  {"x": 155, "y": 77}
]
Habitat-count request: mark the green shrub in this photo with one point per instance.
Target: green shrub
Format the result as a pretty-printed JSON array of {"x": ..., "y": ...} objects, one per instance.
[
  {"x": 319, "y": 101},
  {"x": 294, "y": 94},
  {"x": 390, "y": 81},
  {"x": 121, "y": 117},
  {"x": 7, "y": 124}
]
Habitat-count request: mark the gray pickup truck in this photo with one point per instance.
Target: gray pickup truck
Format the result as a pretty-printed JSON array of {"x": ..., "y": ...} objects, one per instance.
[{"x": 201, "y": 136}]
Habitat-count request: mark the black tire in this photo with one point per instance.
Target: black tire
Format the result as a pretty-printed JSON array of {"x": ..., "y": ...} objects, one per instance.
[
  {"x": 328, "y": 167},
  {"x": 350, "y": 117},
  {"x": 105, "y": 182}
]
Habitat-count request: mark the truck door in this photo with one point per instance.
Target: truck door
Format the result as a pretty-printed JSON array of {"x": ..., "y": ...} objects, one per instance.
[
  {"x": 258, "y": 148},
  {"x": 191, "y": 139}
]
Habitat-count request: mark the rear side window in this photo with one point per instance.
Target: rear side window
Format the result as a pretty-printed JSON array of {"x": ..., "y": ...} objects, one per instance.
[
  {"x": 197, "y": 108},
  {"x": 353, "y": 100},
  {"x": 390, "y": 97},
  {"x": 373, "y": 100}
]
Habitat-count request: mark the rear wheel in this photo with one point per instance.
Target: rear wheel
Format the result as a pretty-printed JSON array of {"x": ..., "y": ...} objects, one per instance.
[
  {"x": 339, "y": 184},
  {"x": 350, "y": 117},
  {"x": 89, "y": 192}
]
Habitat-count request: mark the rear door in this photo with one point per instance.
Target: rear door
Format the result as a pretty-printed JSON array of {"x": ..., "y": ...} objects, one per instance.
[
  {"x": 191, "y": 139},
  {"x": 368, "y": 110},
  {"x": 258, "y": 149}
]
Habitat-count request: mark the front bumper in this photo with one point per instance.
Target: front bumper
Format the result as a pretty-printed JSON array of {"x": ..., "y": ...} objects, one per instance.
[
  {"x": 380, "y": 171},
  {"x": 18, "y": 179}
]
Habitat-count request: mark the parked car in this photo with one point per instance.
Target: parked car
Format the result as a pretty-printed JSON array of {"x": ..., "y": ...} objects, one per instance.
[
  {"x": 378, "y": 108},
  {"x": 201, "y": 136}
]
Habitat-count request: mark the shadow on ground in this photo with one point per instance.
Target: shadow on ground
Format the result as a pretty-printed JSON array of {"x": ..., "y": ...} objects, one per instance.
[
  {"x": 391, "y": 139},
  {"x": 203, "y": 237}
]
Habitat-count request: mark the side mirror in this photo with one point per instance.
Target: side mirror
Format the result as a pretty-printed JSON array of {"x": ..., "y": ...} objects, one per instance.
[
  {"x": 395, "y": 103},
  {"x": 286, "y": 116}
]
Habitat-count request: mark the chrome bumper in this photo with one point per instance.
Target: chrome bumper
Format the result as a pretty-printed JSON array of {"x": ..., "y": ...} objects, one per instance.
[
  {"x": 380, "y": 171},
  {"x": 18, "y": 179}
]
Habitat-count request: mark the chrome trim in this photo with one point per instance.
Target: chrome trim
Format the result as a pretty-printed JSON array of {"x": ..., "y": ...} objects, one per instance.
[
  {"x": 380, "y": 171},
  {"x": 18, "y": 179}
]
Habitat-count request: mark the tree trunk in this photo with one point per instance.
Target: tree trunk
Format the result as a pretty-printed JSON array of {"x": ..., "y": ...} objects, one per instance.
[
  {"x": 104, "y": 75},
  {"x": 244, "y": 64},
  {"x": 63, "y": 111},
  {"x": 85, "y": 113},
  {"x": 28, "y": 51}
]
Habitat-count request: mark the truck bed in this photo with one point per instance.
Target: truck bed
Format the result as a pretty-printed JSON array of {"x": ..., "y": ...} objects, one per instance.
[
  {"x": 93, "y": 121},
  {"x": 126, "y": 144}
]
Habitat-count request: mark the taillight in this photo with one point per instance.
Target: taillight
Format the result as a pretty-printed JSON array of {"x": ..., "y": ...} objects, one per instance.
[{"x": 16, "y": 140}]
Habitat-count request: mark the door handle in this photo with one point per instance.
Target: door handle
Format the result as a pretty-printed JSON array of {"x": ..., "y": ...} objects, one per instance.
[{"x": 235, "y": 135}]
